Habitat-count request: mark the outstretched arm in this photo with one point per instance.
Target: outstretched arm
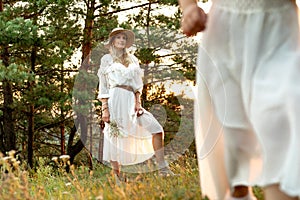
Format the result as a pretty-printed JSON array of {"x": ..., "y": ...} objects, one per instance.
[{"x": 193, "y": 17}]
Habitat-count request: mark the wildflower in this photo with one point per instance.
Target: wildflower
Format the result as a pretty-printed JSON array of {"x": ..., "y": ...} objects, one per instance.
[
  {"x": 65, "y": 192},
  {"x": 12, "y": 153},
  {"x": 54, "y": 159},
  {"x": 64, "y": 157},
  {"x": 68, "y": 184},
  {"x": 114, "y": 129},
  {"x": 99, "y": 197},
  {"x": 6, "y": 158}
]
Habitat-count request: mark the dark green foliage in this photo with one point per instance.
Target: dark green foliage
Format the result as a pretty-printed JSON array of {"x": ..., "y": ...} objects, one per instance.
[
  {"x": 146, "y": 55},
  {"x": 40, "y": 37}
]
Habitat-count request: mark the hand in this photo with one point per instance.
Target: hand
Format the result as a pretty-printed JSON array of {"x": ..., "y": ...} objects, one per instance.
[
  {"x": 105, "y": 115},
  {"x": 139, "y": 109},
  {"x": 193, "y": 20}
]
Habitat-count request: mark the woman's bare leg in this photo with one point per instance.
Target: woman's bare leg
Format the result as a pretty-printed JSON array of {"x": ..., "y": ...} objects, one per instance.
[
  {"x": 116, "y": 167},
  {"x": 273, "y": 192},
  {"x": 116, "y": 170},
  {"x": 158, "y": 146}
]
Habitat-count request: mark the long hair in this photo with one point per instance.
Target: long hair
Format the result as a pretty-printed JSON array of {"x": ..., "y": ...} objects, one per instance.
[{"x": 120, "y": 57}]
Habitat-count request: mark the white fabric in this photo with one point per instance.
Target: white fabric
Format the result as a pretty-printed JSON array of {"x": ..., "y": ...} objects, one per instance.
[
  {"x": 249, "y": 6},
  {"x": 135, "y": 143},
  {"x": 247, "y": 115},
  {"x": 118, "y": 74}
]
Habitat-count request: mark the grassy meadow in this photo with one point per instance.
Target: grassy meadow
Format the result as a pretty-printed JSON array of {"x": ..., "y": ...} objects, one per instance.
[{"x": 51, "y": 181}]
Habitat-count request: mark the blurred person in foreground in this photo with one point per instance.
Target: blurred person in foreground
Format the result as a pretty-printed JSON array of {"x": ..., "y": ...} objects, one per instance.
[{"x": 247, "y": 111}]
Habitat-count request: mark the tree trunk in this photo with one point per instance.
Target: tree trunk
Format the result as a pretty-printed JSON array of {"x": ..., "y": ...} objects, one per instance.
[
  {"x": 62, "y": 125},
  {"x": 73, "y": 150},
  {"x": 31, "y": 125},
  {"x": 30, "y": 135},
  {"x": 101, "y": 140},
  {"x": 9, "y": 136},
  {"x": 1, "y": 136},
  {"x": 8, "y": 123},
  {"x": 88, "y": 35},
  {"x": 62, "y": 139}
]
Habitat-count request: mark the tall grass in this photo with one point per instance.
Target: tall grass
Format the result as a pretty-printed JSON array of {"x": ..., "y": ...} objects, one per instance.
[{"x": 51, "y": 181}]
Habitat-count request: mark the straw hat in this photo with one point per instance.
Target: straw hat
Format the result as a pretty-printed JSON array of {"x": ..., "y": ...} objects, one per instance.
[{"x": 129, "y": 34}]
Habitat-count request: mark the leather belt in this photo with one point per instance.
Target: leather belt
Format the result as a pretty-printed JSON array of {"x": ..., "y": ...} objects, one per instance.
[{"x": 126, "y": 87}]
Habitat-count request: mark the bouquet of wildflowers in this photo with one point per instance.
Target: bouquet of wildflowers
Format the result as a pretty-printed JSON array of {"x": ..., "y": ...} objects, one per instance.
[{"x": 114, "y": 129}]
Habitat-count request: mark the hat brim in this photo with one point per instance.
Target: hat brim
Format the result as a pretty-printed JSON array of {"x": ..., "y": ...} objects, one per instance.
[{"x": 130, "y": 37}]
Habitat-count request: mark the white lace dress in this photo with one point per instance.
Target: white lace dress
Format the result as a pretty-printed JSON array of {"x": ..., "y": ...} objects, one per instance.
[
  {"x": 134, "y": 143},
  {"x": 247, "y": 115}
]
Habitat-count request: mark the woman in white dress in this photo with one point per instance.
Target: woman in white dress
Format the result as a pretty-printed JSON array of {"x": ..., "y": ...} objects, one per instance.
[
  {"x": 132, "y": 134},
  {"x": 247, "y": 112}
]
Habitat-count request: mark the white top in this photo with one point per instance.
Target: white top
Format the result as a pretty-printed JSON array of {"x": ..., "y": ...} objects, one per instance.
[{"x": 112, "y": 74}]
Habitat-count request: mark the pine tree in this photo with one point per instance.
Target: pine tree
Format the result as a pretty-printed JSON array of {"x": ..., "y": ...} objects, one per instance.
[{"x": 41, "y": 36}]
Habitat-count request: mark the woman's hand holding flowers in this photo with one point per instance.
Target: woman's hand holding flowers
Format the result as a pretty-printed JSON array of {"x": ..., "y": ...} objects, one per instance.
[{"x": 105, "y": 112}]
